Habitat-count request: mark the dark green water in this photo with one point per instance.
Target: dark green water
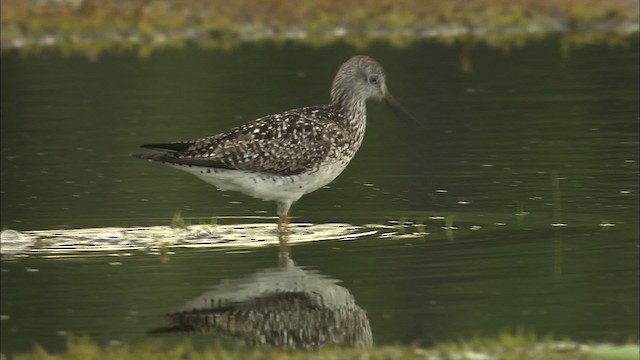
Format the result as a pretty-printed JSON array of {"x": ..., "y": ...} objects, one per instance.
[{"x": 527, "y": 139}]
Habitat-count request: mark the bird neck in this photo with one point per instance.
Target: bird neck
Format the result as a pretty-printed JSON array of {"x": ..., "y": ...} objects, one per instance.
[{"x": 353, "y": 108}]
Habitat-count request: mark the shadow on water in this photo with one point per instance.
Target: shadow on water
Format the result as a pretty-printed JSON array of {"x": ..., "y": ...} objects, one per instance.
[
  {"x": 286, "y": 307},
  {"x": 423, "y": 278}
]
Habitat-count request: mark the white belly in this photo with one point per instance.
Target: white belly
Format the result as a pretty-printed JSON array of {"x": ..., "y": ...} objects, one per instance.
[{"x": 267, "y": 186}]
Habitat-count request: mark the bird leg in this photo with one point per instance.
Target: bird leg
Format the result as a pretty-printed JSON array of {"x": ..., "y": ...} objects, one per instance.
[
  {"x": 284, "y": 250},
  {"x": 283, "y": 215},
  {"x": 283, "y": 223}
]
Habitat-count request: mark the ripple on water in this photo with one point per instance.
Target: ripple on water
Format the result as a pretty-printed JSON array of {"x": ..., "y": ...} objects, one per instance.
[{"x": 154, "y": 238}]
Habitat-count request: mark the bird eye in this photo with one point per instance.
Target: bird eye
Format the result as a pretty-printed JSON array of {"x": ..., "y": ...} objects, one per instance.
[{"x": 373, "y": 79}]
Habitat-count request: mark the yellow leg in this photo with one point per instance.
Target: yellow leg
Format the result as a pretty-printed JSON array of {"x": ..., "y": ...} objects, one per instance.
[
  {"x": 284, "y": 251},
  {"x": 283, "y": 222},
  {"x": 283, "y": 216}
]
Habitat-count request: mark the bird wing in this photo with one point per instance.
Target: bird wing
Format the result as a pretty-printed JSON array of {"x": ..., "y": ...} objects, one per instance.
[{"x": 287, "y": 143}]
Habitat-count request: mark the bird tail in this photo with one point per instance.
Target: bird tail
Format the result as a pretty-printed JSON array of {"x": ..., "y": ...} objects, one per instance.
[{"x": 176, "y": 146}]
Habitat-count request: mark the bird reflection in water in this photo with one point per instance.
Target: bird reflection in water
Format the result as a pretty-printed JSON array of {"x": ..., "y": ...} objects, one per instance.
[{"x": 286, "y": 307}]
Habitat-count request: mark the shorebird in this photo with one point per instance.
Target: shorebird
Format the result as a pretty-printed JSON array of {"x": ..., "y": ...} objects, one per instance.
[{"x": 281, "y": 157}]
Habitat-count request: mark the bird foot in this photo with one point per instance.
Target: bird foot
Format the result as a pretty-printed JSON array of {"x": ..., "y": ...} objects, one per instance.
[{"x": 283, "y": 224}]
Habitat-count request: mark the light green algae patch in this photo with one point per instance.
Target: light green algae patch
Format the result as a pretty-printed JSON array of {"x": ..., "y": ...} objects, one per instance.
[
  {"x": 90, "y": 27},
  {"x": 506, "y": 346}
]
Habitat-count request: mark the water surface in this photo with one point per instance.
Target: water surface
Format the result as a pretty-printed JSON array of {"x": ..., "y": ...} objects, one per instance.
[{"x": 514, "y": 203}]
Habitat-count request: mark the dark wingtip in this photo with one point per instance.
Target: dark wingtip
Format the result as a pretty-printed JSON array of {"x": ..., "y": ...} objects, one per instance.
[
  {"x": 152, "y": 146},
  {"x": 178, "y": 146},
  {"x": 170, "y": 158}
]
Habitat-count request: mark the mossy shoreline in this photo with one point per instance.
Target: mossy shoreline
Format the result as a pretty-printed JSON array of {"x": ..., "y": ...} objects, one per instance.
[
  {"x": 91, "y": 26},
  {"x": 506, "y": 346}
]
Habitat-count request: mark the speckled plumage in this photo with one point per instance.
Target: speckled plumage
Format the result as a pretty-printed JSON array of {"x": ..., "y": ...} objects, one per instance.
[
  {"x": 289, "y": 143},
  {"x": 283, "y": 156}
]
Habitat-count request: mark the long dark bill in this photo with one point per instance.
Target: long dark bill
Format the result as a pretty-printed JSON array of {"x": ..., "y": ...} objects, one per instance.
[{"x": 399, "y": 110}]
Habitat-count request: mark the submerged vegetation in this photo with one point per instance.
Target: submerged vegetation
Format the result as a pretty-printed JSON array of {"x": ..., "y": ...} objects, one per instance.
[
  {"x": 91, "y": 26},
  {"x": 519, "y": 345}
]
